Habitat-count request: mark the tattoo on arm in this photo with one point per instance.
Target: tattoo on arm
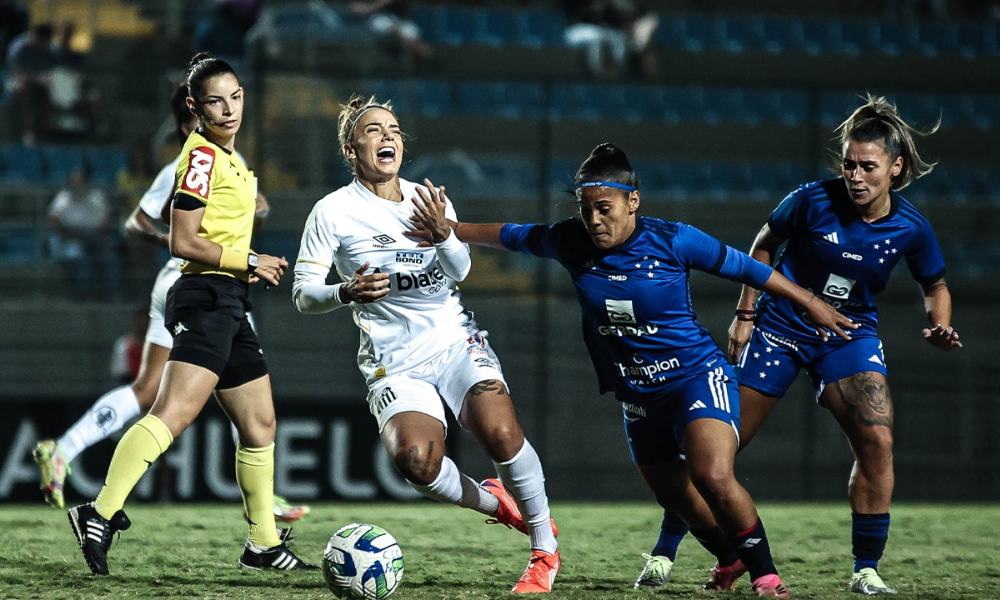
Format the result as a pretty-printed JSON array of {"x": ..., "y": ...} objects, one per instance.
[
  {"x": 490, "y": 386},
  {"x": 868, "y": 397}
]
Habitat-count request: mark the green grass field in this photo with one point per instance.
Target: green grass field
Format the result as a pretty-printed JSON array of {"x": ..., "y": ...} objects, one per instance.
[{"x": 939, "y": 552}]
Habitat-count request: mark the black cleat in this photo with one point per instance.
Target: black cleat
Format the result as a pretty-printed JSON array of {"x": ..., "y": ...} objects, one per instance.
[
  {"x": 279, "y": 558},
  {"x": 94, "y": 532}
]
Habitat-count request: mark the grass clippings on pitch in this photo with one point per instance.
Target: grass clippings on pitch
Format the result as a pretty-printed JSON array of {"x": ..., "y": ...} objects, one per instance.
[{"x": 936, "y": 552}]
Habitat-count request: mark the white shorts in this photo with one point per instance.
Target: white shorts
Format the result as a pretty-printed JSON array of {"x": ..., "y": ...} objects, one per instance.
[
  {"x": 442, "y": 381},
  {"x": 157, "y": 332}
]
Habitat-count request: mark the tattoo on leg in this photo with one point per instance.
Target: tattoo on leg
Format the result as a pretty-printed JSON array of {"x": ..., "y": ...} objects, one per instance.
[
  {"x": 868, "y": 398},
  {"x": 421, "y": 468},
  {"x": 488, "y": 386}
]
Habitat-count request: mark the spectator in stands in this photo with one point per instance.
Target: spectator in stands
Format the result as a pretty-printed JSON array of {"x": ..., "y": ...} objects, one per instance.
[
  {"x": 223, "y": 32},
  {"x": 616, "y": 36},
  {"x": 13, "y": 22},
  {"x": 390, "y": 19},
  {"x": 30, "y": 58},
  {"x": 83, "y": 238},
  {"x": 73, "y": 97}
]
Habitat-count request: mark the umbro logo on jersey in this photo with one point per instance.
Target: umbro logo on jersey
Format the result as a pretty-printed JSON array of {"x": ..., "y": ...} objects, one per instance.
[
  {"x": 832, "y": 238},
  {"x": 179, "y": 328},
  {"x": 384, "y": 239},
  {"x": 750, "y": 543},
  {"x": 697, "y": 404}
]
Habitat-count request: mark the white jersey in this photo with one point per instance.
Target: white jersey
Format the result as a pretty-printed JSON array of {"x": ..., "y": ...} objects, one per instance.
[
  {"x": 160, "y": 191},
  {"x": 423, "y": 314}
]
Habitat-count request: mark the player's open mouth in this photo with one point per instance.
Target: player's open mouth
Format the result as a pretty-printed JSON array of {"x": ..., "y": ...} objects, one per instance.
[{"x": 386, "y": 155}]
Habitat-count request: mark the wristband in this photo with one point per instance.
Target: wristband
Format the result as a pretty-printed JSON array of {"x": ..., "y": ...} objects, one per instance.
[
  {"x": 233, "y": 259},
  {"x": 746, "y": 315}
]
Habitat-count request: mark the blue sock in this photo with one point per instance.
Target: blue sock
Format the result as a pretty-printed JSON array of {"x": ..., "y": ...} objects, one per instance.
[
  {"x": 869, "y": 533},
  {"x": 754, "y": 551},
  {"x": 718, "y": 544},
  {"x": 672, "y": 531}
]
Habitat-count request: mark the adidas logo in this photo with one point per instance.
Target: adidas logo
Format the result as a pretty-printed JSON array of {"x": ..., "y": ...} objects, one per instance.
[
  {"x": 697, "y": 404},
  {"x": 832, "y": 238},
  {"x": 875, "y": 359}
]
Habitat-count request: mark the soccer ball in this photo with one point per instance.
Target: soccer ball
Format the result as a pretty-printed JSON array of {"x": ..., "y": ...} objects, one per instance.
[{"x": 362, "y": 561}]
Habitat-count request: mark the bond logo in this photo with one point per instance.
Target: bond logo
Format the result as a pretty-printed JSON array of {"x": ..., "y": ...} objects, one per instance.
[
  {"x": 410, "y": 258},
  {"x": 199, "y": 175},
  {"x": 838, "y": 287}
]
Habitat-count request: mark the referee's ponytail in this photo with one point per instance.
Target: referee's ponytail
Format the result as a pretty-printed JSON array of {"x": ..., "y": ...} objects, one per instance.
[{"x": 204, "y": 66}]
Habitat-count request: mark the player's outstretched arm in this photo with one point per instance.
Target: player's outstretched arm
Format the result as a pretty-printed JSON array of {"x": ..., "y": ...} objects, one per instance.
[{"x": 937, "y": 302}]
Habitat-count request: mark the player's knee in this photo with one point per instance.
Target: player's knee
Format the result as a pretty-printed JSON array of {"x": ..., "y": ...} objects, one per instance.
[
  {"x": 712, "y": 480},
  {"x": 416, "y": 464}
]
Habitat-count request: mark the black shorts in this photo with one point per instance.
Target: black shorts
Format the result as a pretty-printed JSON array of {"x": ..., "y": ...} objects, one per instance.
[{"x": 207, "y": 317}]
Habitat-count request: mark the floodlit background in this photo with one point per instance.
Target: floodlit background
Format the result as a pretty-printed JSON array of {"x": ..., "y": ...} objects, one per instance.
[{"x": 730, "y": 108}]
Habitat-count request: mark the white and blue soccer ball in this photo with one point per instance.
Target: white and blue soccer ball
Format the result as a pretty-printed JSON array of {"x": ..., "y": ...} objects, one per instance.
[{"x": 362, "y": 561}]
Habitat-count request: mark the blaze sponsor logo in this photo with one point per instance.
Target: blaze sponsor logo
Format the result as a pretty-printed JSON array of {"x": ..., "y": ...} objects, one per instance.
[
  {"x": 837, "y": 287},
  {"x": 104, "y": 418},
  {"x": 410, "y": 258},
  {"x": 428, "y": 280},
  {"x": 199, "y": 174}
]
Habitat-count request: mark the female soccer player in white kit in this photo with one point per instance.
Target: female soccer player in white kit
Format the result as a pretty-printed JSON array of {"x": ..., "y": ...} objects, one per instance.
[{"x": 419, "y": 346}]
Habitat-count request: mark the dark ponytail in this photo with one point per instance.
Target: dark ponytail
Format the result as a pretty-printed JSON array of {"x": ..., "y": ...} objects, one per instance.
[
  {"x": 202, "y": 68},
  {"x": 606, "y": 163}
]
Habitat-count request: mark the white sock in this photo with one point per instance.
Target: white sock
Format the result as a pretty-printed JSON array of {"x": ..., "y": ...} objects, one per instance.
[
  {"x": 454, "y": 487},
  {"x": 524, "y": 478},
  {"x": 109, "y": 414}
]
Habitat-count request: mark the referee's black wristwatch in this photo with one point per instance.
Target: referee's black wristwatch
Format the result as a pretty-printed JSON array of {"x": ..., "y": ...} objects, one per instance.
[{"x": 253, "y": 261}]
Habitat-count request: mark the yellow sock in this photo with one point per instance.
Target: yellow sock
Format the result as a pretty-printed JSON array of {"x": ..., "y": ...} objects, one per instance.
[
  {"x": 138, "y": 449},
  {"x": 255, "y": 476}
]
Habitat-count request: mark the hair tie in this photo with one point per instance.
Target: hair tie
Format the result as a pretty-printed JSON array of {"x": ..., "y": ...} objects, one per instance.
[{"x": 620, "y": 186}]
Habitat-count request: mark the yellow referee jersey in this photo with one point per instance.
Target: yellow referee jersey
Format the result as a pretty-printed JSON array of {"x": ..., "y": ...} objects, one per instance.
[{"x": 221, "y": 181}]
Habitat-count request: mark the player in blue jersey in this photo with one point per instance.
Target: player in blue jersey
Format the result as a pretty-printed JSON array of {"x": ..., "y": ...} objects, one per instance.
[
  {"x": 844, "y": 237},
  {"x": 679, "y": 395}
]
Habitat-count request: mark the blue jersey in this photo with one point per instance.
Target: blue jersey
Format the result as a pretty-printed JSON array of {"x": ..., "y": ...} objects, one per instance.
[
  {"x": 638, "y": 322},
  {"x": 836, "y": 255}
]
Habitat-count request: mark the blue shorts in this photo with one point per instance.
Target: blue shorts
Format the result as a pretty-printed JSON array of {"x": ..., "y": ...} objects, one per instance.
[
  {"x": 770, "y": 363},
  {"x": 654, "y": 430}
]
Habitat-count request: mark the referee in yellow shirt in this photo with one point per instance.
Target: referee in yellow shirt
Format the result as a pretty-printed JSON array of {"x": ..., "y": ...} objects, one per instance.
[{"x": 215, "y": 349}]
